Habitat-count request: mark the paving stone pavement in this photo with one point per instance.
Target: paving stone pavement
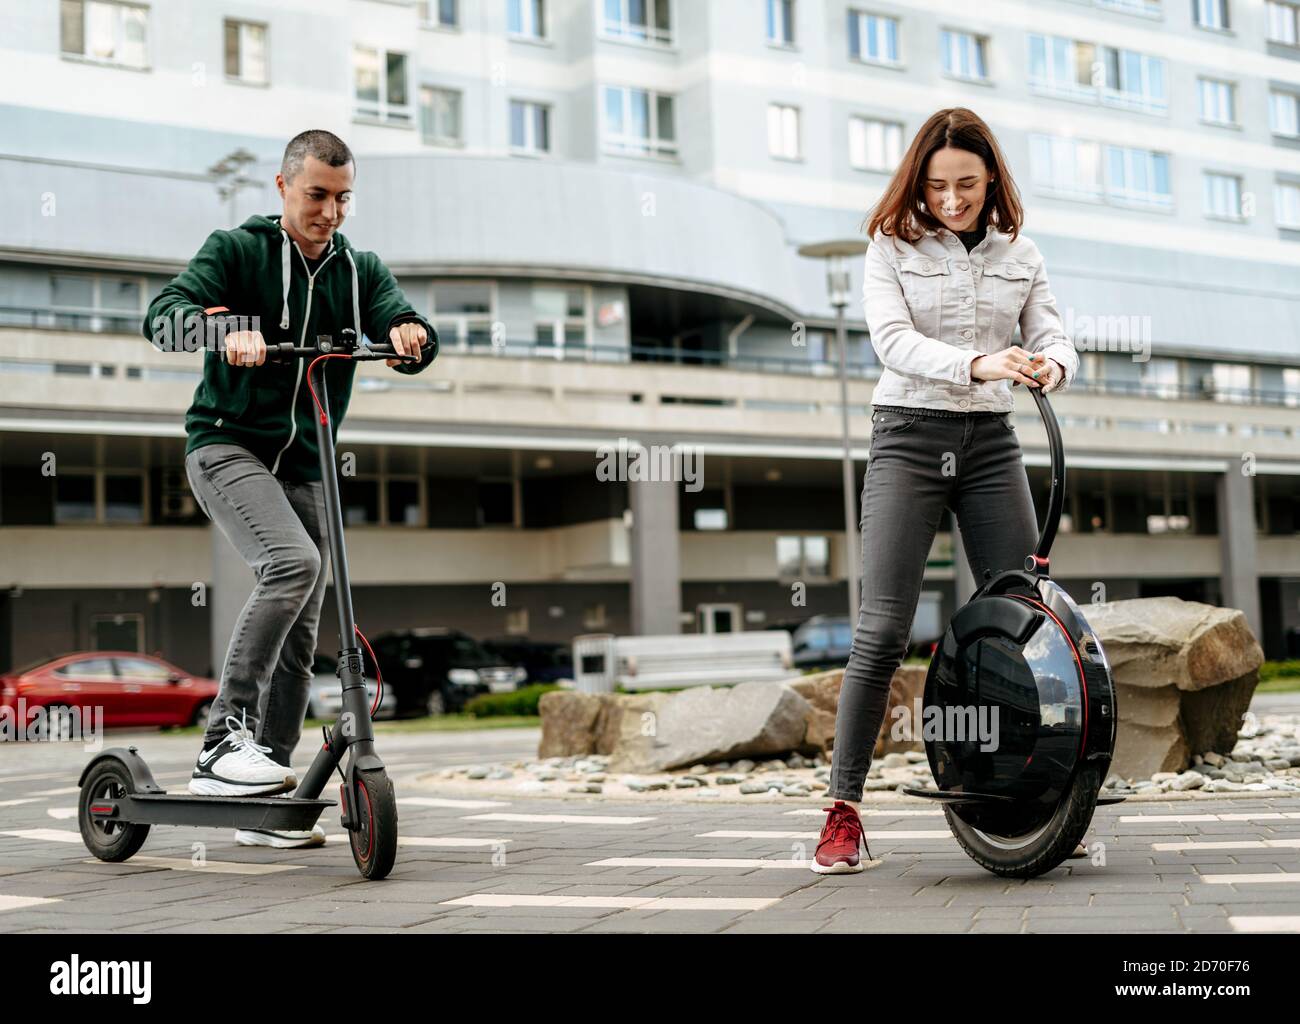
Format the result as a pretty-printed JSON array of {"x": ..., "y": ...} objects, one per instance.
[{"x": 1149, "y": 872}]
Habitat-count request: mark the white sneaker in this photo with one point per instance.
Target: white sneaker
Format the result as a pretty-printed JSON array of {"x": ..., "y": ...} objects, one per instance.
[
  {"x": 238, "y": 766},
  {"x": 280, "y": 840}
]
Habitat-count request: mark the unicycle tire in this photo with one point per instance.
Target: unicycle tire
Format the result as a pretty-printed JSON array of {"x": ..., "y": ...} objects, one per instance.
[
  {"x": 374, "y": 841},
  {"x": 111, "y": 841},
  {"x": 1047, "y": 847}
]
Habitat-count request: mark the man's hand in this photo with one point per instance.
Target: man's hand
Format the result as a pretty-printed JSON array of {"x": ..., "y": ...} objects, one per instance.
[
  {"x": 407, "y": 338},
  {"x": 1014, "y": 364},
  {"x": 245, "y": 348}
]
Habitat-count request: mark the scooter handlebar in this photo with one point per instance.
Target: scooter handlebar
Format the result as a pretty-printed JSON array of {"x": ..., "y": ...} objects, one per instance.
[{"x": 362, "y": 353}]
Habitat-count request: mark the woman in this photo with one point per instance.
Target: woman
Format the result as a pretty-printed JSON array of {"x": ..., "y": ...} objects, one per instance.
[{"x": 949, "y": 276}]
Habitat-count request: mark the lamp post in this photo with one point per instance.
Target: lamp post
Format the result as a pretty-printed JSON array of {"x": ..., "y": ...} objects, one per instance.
[
  {"x": 228, "y": 174},
  {"x": 836, "y": 254}
]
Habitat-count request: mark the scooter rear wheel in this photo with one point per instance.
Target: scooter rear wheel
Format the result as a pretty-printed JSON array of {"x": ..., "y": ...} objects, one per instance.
[
  {"x": 112, "y": 841},
  {"x": 374, "y": 842},
  {"x": 1047, "y": 846}
]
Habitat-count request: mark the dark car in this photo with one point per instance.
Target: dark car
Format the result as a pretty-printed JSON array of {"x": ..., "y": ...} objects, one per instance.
[
  {"x": 127, "y": 688},
  {"x": 435, "y": 670},
  {"x": 823, "y": 641},
  {"x": 545, "y": 662}
]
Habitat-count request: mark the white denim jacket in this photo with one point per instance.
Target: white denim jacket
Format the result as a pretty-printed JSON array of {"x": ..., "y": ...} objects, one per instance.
[{"x": 933, "y": 309}]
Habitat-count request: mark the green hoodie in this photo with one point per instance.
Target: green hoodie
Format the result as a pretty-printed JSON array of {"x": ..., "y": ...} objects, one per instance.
[{"x": 256, "y": 270}]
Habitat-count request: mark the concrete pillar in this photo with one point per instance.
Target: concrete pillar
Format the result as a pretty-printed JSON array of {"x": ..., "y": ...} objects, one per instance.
[
  {"x": 656, "y": 564},
  {"x": 232, "y": 583},
  {"x": 963, "y": 578},
  {"x": 1238, "y": 547}
]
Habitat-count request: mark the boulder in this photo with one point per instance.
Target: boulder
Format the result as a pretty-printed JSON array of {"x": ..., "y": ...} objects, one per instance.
[
  {"x": 822, "y": 691},
  {"x": 1184, "y": 674}
]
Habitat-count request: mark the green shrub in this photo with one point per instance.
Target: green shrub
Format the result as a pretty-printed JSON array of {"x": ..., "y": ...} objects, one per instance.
[
  {"x": 1279, "y": 669},
  {"x": 518, "y": 702}
]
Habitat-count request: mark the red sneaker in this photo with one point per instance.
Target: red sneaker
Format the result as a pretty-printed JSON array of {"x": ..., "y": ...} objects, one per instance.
[{"x": 837, "y": 850}]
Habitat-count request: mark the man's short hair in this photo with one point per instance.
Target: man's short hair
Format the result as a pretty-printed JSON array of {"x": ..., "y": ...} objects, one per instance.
[{"x": 324, "y": 146}]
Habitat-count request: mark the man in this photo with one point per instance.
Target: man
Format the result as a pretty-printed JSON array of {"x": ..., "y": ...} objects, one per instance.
[{"x": 251, "y": 454}]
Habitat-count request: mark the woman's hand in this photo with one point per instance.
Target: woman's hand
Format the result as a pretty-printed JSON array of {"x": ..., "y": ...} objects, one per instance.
[
  {"x": 1014, "y": 364},
  {"x": 1053, "y": 375}
]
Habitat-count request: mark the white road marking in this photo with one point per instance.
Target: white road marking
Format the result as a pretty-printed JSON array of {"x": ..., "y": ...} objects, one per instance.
[
  {"x": 49, "y": 835},
  {"x": 15, "y": 803},
  {"x": 566, "y": 819},
  {"x": 1271, "y": 878},
  {"x": 1231, "y": 844},
  {"x": 33, "y": 778},
  {"x": 873, "y": 811},
  {"x": 1263, "y": 923},
  {"x": 695, "y": 862},
  {"x": 1257, "y": 816},
  {"x": 62, "y": 813},
  {"x": 449, "y": 842},
  {"x": 220, "y": 867},
  {"x": 19, "y": 902},
  {"x": 434, "y": 801},
  {"x": 62, "y": 791},
  {"x": 883, "y": 834},
  {"x": 493, "y": 899}
]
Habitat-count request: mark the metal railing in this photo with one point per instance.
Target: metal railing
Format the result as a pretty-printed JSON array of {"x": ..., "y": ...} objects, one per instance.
[{"x": 126, "y": 324}]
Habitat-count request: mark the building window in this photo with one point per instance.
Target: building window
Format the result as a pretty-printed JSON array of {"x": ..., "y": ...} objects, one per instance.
[
  {"x": 639, "y": 121},
  {"x": 380, "y": 83},
  {"x": 374, "y": 499},
  {"x": 874, "y": 145},
  {"x": 645, "y": 21},
  {"x": 710, "y": 519},
  {"x": 99, "y": 496},
  {"x": 1286, "y": 203},
  {"x": 1290, "y": 386},
  {"x": 873, "y": 37},
  {"x": 560, "y": 315},
  {"x": 1218, "y": 101},
  {"x": 1282, "y": 20},
  {"x": 964, "y": 55},
  {"x": 462, "y": 311},
  {"x": 439, "y": 13},
  {"x": 1222, "y": 196},
  {"x": 780, "y": 22},
  {"x": 783, "y": 131},
  {"x": 800, "y": 558},
  {"x": 1284, "y": 113},
  {"x": 1061, "y": 66},
  {"x": 1159, "y": 377},
  {"x": 1067, "y": 167},
  {"x": 1134, "y": 80},
  {"x": 1211, "y": 13},
  {"x": 1138, "y": 176},
  {"x": 105, "y": 31},
  {"x": 526, "y": 18},
  {"x": 1231, "y": 382},
  {"x": 439, "y": 116},
  {"x": 246, "y": 52},
  {"x": 1151, "y": 7},
  {"x": 530, "y": 127},
  {"x": 1082, "y": 169},
  {"x": 95, "y": 302}
]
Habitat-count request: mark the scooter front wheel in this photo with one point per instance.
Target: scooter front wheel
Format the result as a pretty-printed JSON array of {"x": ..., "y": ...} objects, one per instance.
[
  {"x": 374, "y": 841},
  {"x": 1038, "y": 851},
  {"x": 108, "y": 840}
]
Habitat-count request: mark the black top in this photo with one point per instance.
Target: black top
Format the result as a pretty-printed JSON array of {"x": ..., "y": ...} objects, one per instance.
[{"x": 970, "y": 239}]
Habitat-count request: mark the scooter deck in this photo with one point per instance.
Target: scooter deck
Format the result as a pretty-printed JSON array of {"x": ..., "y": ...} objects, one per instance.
[{"x": 279, "y": 813}]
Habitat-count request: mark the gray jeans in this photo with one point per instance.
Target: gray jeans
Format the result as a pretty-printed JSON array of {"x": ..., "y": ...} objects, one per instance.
[
  {"x": 278, "y": 528},
  {"x": 922, "y": 461}
]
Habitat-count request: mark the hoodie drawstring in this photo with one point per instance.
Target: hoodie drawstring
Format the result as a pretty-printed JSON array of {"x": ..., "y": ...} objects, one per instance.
[{"x": 285, "y": 269}]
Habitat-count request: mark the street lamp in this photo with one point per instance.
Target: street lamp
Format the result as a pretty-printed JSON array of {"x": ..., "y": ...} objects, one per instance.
[
  {"x": 228, "y": 173},
  {"x": 836, "y": 254}
]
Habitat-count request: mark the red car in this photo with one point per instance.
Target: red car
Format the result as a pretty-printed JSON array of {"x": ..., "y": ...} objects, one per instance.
[{"x": 131, "y": 689}]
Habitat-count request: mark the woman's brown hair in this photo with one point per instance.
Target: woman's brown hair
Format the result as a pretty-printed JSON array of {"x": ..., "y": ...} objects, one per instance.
[{"x": 901, "y": 211}]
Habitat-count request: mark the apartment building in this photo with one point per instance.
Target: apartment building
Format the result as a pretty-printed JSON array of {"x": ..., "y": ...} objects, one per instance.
[{"x": 599, "y": 204}]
